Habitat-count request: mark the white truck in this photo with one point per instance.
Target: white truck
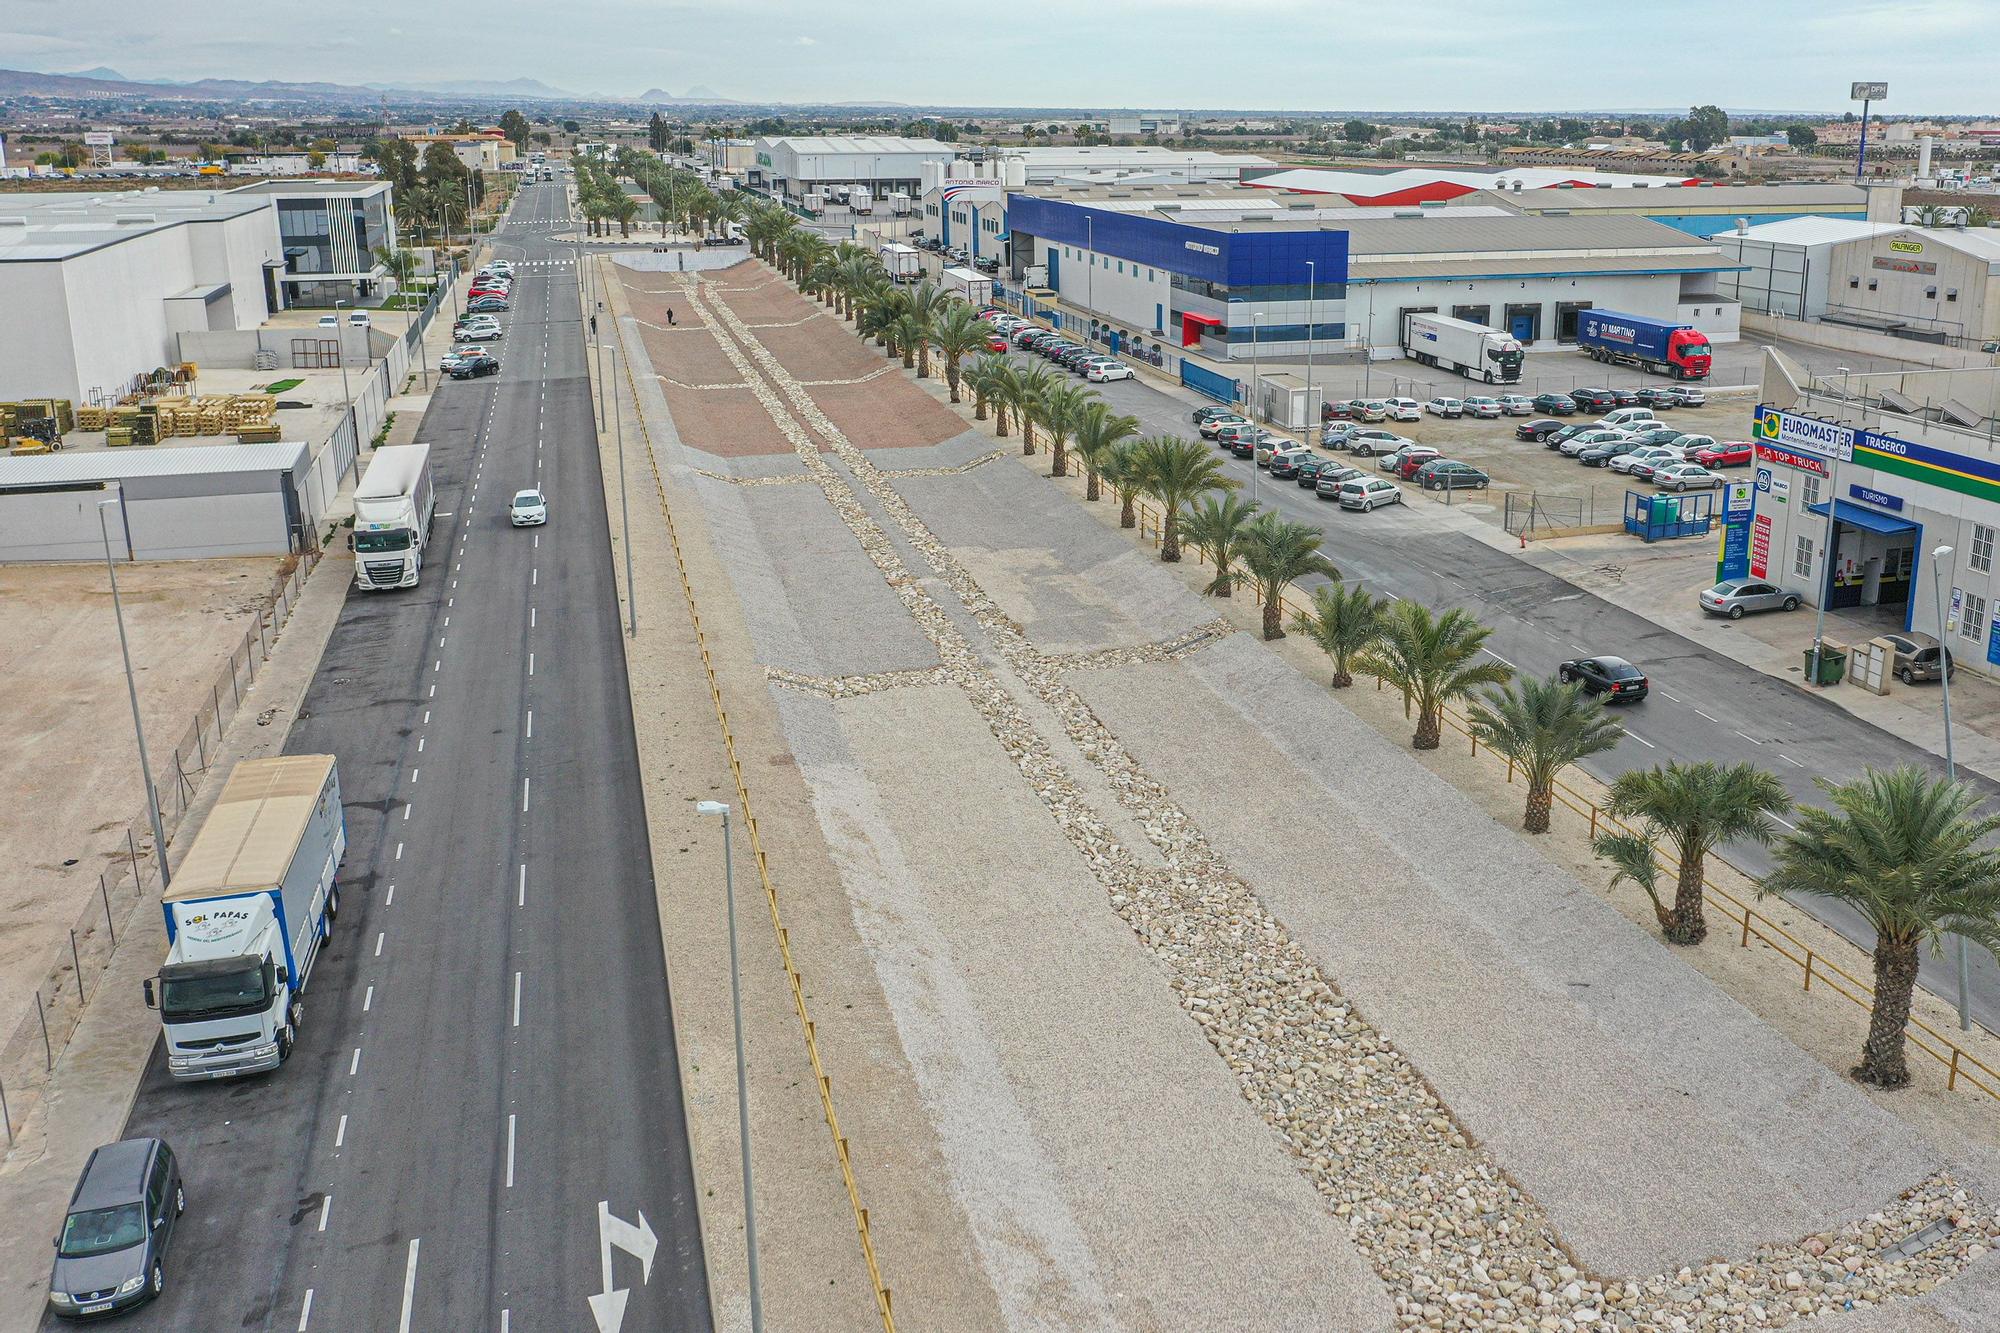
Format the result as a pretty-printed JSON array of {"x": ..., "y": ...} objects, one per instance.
[
  {"x": 247, "y": 914},
  {"x": 1473, "y": 350},
  {"x": 393, "y": 508},
  {"x": 969, "y": 283},
  {"x": 905, "y": 263}
]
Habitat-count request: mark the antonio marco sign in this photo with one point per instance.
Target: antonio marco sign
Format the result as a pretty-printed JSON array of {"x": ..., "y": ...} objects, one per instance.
[{"x": 1805, "y": 435}]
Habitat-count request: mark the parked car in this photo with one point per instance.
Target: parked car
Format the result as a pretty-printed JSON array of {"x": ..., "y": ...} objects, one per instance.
[
  {"x": 1105, "y": 369},
  {"x": 1337, "y": 409},
  {"x": 1486, "y": 409},
  {"x": 1588, "y": 438},
  {"x": 1736, "y": 598},
  {"x": 479, "y": 333},
  {"x": 1554, "y": 439},
  {"x": 1684, "y": 477},
  {"x": 1370, "y": 410},
  {"x": 111, "y": 1254},
  {"x": 1657, "y": 435},
  {"x": 1442, "y": 406},
  {"x": 475, "y": 367},
  {"x": 1661, "y": 399},
  {"x": 1367, "y": 493},
  {"x": 1402, "y": 409},
  {"x": 1593, "y": 400},
  {"x": 1332, "y": 476},
  {"x": 489, "y": 304},
  {"x": 330, "y": 321},
  {"x": 1689, "y": 395},
  {"x": 1538, "y": 429},
  {"x": 1917, "y": 657},
  {"x": 1613, "y": 677},
  {"x": 1309, "y": 468},
  {"x": 1630, "y": 418},
  {"x": 1214, "y": 424},
  {"x": 1201, "y": 414},
  {"x": 1736, "y": 453},
  {"x": 1653, "y": 455},
  {"x": 1517, "y": 405},
  {"x": 1555, "y": 404},
  {"x": 1368, "y": 443},
  {"x": 1269, "y": 445},
  {"x": 1443, "y": 474},
  {"x": 1626, "y": 397},
  {"x": 1243, "y": 440},
  {"x": 358, "y": 319},
  {"x": 530, "y": 508},
  {"x": 1408, "y": 459},
  {"x": 1688, "y": 444},
  {"x": 1285, "y": 462},
  {"x": 1600, "y": 455},
  {"x": 1028, "y": 335}
]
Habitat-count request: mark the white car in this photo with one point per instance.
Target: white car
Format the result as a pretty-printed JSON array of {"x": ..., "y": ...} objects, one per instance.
[
  {"x": 479, "y": 333},
  {"x": 1630, "y": 418},
  {"x": 1369, "y": 492},
  {"x": 501, "y": 266},
  {"x": 1652, "y": 456},
  {"x": 329, "y": 321},
  {"x": 1589, "y": 439},
  {"x": 1103, "y": 371},
  {"x": 1687, "y": 444},
  {"x": 1517, "y": 405},
  {"x": 357, "y": 319},
  {"x": 529, "y": 509},
  {"x": 1685, "y": 477},
  {"x": 1442, "y": 406},
  {"x": 1482, "y": 407},
  {"x": 1403, "y": 409},
  {"x": 458, "y": 355}
]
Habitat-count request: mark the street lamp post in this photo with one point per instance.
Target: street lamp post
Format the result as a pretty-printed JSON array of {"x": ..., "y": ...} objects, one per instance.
[
  {"x": 132, "y": 695},
  {"x": 1826, "y": 549},
  {"x": 1951, "y": 770},
  {"x": 742, "y": 1083},
  {"x": 353, "y": 427}
]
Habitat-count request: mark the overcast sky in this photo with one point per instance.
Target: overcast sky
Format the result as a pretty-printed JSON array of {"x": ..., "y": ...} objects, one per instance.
[{"x": 1938, "y": 55}]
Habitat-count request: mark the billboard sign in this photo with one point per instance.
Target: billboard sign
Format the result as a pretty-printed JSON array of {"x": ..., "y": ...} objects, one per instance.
[
  {"x": 1867, "y": 92},
  {"x": 1803, "y": 462},
  {"x": 1803, "y": 435},
  {"x": 1760, "y": 547},
  {"x": 99, "y": 139}
]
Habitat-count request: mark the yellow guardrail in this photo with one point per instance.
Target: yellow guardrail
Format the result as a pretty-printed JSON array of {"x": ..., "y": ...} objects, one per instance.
[
  {"x": 883, "y": 1303},
  {"x": 1961, "y": 1065}
]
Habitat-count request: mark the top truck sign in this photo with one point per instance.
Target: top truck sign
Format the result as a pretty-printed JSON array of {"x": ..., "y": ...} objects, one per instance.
[{"x": 1805, "y": 435}]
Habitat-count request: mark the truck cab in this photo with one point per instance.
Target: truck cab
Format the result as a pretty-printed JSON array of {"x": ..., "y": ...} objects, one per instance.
[
  {"x": 224, "y": 993},
  {"x": 1689, "y": 354}
]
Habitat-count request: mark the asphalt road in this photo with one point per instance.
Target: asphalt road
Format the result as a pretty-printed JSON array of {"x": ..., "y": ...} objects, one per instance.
[
  {"x": 488, "y": 1057},
  {"x": 1703, "y": 706}
]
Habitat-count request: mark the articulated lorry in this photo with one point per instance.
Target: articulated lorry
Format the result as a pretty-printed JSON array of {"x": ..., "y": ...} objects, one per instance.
[
  {"x": 1664, "y": 347},
  {"x": 905, "y": 263},
  {"x": 1473, "y": 350},
  {"x": 969, "y": 283},
  {"x": 393, "y": 508},
  {"x": 247, "y": 914}
]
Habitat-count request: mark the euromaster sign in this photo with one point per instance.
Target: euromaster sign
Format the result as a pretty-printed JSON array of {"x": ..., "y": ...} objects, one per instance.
[{"x": 1961, "y": 473}]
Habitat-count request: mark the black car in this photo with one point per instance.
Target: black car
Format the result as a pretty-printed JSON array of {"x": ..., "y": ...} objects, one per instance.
[
  {"x": 1285, "y": 466},
  {"x": 1444, "y": 474},
  {"x": 1332, "y": 476},
  {"x": 1599, "y": 455},
  {"x": 1202, "y": 414},
  {"x": 1538, "y": 429},
  {"x": 1555, "y": 437},
  {"x": 1593, "y": 400},
  {"x": 112, "y": 1252},
  {"x": 1072, "y": 358},
  {"x": 1660, "y": 400},
  {"x": 486, "y": 303},
  {"x": 1657, "y": 435},
  {"x": 1613, "y": 677},
  {"x": 473, "y": 367},
  {"x": 1309, "y": 469},
  {"x": 1555, "y": 404},
  {"x": 1626, "y": 397}
]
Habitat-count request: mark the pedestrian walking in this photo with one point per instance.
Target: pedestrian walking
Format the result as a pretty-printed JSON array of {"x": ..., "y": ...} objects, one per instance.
[
  {"x": 593, "y": 325},
  {"x": 670, "y": 316}
]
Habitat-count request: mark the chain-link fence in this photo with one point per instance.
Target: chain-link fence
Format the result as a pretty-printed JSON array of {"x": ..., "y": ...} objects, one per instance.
[{"x": 68, "y": 978}]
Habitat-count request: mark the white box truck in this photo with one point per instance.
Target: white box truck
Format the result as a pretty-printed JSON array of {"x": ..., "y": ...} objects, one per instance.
[
  {"x": 247, "y": 914},
  {"x": 969, "y": 283},
  {"x": 393, "y": 508},
  {"x": 905, "y": 263},
  {"x": 1473, "y": 350}
]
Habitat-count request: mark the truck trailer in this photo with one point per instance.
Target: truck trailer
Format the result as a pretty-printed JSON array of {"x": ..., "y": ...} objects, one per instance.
[
  {"x": 247, "y": 914},
  {"x": 1473, "y": 350},
  {"x": 393, "y": 508},
  {"x": 969, "y": 283},
  {"x": 905, "y": 263},
  {"x": 1664, "y": 347}
]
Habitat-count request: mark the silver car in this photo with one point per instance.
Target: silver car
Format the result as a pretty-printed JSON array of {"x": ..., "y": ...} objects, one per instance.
[{"x": 1737, "y": 598}]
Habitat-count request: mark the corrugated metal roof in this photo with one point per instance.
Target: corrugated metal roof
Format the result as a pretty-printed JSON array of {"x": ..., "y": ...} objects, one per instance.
[
  {"x": 70, "y": 465},
  {"x": 857, "y": 143},
  {"x": 1812, "y": 231},
  {"x": 248, "y": 839},
  {"x": 1443, "y": 231},
  {"x": 1545, "y": 266}
]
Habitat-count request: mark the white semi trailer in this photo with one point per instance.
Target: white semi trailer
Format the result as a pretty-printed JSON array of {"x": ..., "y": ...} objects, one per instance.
[
  {"x": 1473, "y": 350},
  {"x": 393, "y": 508}
]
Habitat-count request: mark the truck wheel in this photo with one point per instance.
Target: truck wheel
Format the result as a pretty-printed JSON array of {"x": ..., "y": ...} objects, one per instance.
[
  {"x": 333, "y": 902},
  {"x": 285, "y": 1043}
]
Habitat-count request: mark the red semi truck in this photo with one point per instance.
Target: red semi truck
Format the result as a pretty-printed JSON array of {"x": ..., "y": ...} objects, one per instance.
[{"x": 1664, "y": 348}]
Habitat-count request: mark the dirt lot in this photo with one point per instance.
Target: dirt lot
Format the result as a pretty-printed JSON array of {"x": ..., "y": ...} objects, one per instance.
[{"x": 70, "y": 767}]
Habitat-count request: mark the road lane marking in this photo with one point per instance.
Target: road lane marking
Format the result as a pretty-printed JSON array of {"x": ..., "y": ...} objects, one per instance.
[
  {"x": 413, "y": 782},
  {"x": 510, "y": 1150},
  {"x": 1699, "y": 713},
  {"x": 1663, "y": 693},
  {"x": 325, "y": 1206},
  {"x": 1642, "y": 740},
  {"x": 306, "y": 1310},
  {"x": 524, "y": 794},
  {"x": 427, "y": 722},
  {"x": 1747, "y": 736},
  {"x": 367, "y": 1003},
  {"x": 406, "y": 811},
  {"x": 1788, "y": 759},
  {"x": 438, "y": 665},
  {"x": 1786, "y": 822},
  {"x": 409, "y": 1287},
  {"x": 420, "y": 741},
  {"x": 434, "y": 692},
  {"x": 531, "y": 664},
  {"x": 522, "y": 899},
  {"x": 1501, "y": 660},
  {"x": 379, "y": 937},
  {"x": 531, "y": 724},
  {"x": 391, "y": 900},
  {"x": 340, "y": 1133},
  {"x": 531, "y": 617},
  {"x": 399, "y": 851},
  {"x": 534, "y": 576},
  {"x": 517, "y": 999}
]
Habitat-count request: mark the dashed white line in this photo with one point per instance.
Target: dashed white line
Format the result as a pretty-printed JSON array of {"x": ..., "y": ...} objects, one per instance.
[
  {"x": 531, "y": 617},
  {"x": 306, "y": 1310},
  {"x": 406, "y": 811},
  {"x": 413, "y": 778},
  {"x": 325, "y": 1207},
  {"x": 510, "y": 1149},
  {"x": 534, "y": 577},
  {"x": 438, "y": 665},
  {"x": 1788, "y": 759},
  {"x": 1699, "y": 713},
  {"x": 1501, "y": 660},
  {"x": 1663, "y": 694},
  {"x": 1747, "y": 736},
  {"x": 531, "y": 664},
  {"x": 434, "y": 692},
  {"x": 409, "y": 1287},
  {"x": 517, "y": 999},
  {"x": 531, "y": 724},
  {"x": 1642, "y": 740},
  {"x": 524, "y": 794},
  {"x": 379, "y": 937},
  {"x": 1786, "y": 822},
  {"x": 391, "y": 900},
  {"x": 367, "y": 1003},
  {"x": 521, "y": 900},
  {"x": 399, "y": 851},
  {"x": 340, "y": 1132},
  {"x": 427, "y": 722}
]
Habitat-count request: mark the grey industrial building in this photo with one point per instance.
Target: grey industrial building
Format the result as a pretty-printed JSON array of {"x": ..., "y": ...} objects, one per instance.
[{"x": 185, "y": 503}]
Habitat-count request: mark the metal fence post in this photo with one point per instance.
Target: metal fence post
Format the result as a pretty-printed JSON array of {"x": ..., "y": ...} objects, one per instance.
[
  {"x": 105, "y": 894},
  {"x": 6, "y": 1118},
  {"x": 76, "y": 961},
  {"x": 48, "y": 1055},
  {"x": 132, "y": 849}
]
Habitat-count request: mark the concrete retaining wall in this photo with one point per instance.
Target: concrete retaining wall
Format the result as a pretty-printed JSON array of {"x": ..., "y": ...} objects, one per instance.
[{"x": 1840, "y": 338}]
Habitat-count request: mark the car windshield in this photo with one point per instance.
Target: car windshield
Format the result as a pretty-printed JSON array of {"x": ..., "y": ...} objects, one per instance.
[
  {"x": 527, "y": 500},
  {"x": 377, "y": 543},
  {"x": 1621, "y": 671},
  {"x": 245, "y": 989},
  {"x": 101, "y": 1231}
]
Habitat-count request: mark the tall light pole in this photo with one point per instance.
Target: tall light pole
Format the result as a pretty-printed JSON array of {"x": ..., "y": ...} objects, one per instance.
[
  {"x": 742, "y": 1084},
  {"x": 132, "y": 695},
  {"x": 602, "y": 420},
  {"x": 1938, "y": 554},
  {"x": 1825, "y": 590},
  {"x": 353, "y": 427},
  {"x": 1312, "y": 291},
  {"x": 624, "y": 510}
]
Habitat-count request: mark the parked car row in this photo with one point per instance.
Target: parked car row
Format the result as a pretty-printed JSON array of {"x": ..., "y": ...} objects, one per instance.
[
  {"x": 1634, "y": 442},
  {"x": 1074, "y": 357}
]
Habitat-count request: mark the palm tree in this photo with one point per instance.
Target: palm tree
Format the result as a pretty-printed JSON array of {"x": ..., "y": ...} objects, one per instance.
[
  {"x": 1697, "y": 807},
  {"x": 928, "y": 302},
  {"x": 979, "y": 378},
  {"x": 884, "y": 310},
  {"x": 911, "y": 332},
  {"x": 1217, "y": 527},
  {"x": 1097, "y": 433},
  {"x": 624, "y": 207},
  {"x": 1432, "y": 660},
  {"x": 1344, "y": 620},
  {"x": 958, "y": 332},
  {"x": 1125, "y": 468},
  {"x": 1279, "y": 553},
  {"x": 1024, "y": 395},
  {"x": 1978, "y": 215},
  {"x": 1543, "y": 726},
  {"x": 1006, "y": 388},
  {"x": 1902, "y": 849},
  {"x": 1061, "y": 409},
  {"x": 1175, "y": 472}
]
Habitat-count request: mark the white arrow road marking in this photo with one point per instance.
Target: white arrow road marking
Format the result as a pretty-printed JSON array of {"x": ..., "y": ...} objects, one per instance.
[{"x": 608, "y": 1306}]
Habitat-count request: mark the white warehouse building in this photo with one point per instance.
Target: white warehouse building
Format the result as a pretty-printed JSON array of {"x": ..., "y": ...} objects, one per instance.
[{"x": 792, "y": 167}]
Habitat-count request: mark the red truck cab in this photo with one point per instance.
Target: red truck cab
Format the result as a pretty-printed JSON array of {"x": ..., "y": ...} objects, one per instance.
[{"x": 1688, "y": 352}]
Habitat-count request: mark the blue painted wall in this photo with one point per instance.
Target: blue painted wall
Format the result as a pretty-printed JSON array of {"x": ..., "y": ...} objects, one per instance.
[{"x": 1235, "y": 259}]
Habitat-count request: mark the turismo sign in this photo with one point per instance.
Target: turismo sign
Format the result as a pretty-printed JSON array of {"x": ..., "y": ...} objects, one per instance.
[{"x": 1805, "y": 435}]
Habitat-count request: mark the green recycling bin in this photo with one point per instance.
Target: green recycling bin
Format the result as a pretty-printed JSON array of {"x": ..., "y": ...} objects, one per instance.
[{"x": 1832, "y": 664}]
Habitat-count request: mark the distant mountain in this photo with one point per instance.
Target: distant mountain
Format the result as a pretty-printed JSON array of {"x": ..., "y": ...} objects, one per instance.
[
  {"x": 695, "y": 96},
  {"x": 703, "y": 91},
  {"x": 493, "y": 88},
  {"x": 99, "y": 72}
]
